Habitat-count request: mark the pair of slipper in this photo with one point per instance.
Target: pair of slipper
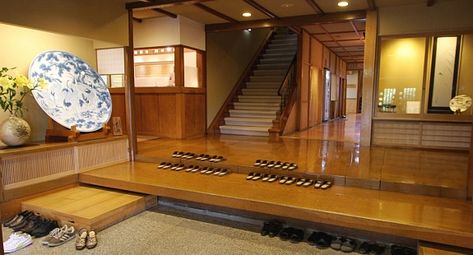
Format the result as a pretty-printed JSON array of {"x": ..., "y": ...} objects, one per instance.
[
  {"x": 214, "y": 158},
  {"x": 254, "y": 176},
  {"x": 304, "y": 182},
  {"x": 287, "y": 180},
  {"x": 322, "y": 184},
  {"x": 172, "y": 166},
  {"x": 343, "y": 244},
  {"x": 275, "y": 164},
  {"x": 215, "y": 172},
  {"x": 183, "y": 155}
]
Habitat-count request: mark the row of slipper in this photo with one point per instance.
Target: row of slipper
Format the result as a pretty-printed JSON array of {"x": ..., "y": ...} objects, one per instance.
[
  {"x": 195, "y": 169},
  {"x": 275, "y": 164},
  {"x": 202, "y": 157},
  {"x": 322, "y": 184}
]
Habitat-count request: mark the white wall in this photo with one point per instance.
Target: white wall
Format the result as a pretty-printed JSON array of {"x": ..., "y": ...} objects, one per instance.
[
  {"x": 453, "y": 15},
  {"x": 164, "y": 31},
  {"x": 18, "y": 50}
]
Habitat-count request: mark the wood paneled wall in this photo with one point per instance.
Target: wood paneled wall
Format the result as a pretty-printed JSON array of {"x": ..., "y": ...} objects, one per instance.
[{"x": 176, "y": 112}]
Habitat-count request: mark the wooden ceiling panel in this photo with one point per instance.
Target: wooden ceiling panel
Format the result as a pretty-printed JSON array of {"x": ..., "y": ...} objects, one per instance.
[
  {"x": 338, "y": 27},
  {"x": 384, "y": 3},
  {"x": 195, "y": 13},
  {"x": 287, "y": 8},
  {"x": 345, "y": 36},
  {"x": 351, "y": 43},
  {"x": 314, "y": 29},
  {"x": 331, "y": 5},
  {"x": 323, "y": 37},
  {"x": 234, "y": 9}
]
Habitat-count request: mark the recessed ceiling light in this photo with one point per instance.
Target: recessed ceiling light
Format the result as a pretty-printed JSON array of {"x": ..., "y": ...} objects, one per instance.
[
  {"x": 343, "y": 3},
  {"x": 246, "y": 14},
  {"x": 286, "y": 5}
]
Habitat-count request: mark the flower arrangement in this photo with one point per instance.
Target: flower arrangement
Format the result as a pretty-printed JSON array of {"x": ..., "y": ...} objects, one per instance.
[{"x": 13, "y": 90}]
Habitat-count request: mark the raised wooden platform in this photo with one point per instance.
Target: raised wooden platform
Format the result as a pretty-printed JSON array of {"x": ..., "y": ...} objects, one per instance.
[
  {"x": 418, "y": 217},
  {"x": 414, "y": 171},
  {"x": 425, "y": 248},
  {"x": 88, "y": 207}
]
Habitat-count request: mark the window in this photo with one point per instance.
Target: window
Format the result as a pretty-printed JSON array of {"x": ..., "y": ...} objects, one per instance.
[{"x": 154, "y": 67}]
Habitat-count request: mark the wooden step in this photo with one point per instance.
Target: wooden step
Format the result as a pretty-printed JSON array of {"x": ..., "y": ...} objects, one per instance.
[
  {"x": 247, "y": 131},
  {"x": 263, "y": 84},
  {"x": 89, "y": 207},
  {"x": 278, "y": 55},
  {"x": 280, "y": 72},
  {"x": 262, "y": 99},
  {"x": 260, "y": 92},
  {"x": 270, "y": 114},
  {"x": 280, "y": 51},
  {"x": 275, "y": 60},
  {"x": 271, "y": 66},
  {"x": 256, "y": 106},
  {"x": 247, "y": 121},
  {"x": 427, "y": 248},
  {"x": 266, "y": 78}
]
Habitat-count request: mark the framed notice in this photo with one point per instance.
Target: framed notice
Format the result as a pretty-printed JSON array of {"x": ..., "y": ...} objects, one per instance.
[{"x": 117, "y": 126}]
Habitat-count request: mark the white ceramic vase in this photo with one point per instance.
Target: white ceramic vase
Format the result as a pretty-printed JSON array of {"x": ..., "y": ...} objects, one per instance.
[{"x": 14, "y": 131}]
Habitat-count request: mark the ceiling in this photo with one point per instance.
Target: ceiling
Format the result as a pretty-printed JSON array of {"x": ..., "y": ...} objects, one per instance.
[{"x": 344, "y": 38}]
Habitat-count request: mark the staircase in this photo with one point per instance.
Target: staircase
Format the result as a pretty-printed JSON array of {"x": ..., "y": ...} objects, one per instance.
[{"x": 259, "y": 102}]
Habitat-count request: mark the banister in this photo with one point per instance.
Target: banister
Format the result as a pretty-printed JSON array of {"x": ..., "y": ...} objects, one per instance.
[{"x": 215, "y": 124}]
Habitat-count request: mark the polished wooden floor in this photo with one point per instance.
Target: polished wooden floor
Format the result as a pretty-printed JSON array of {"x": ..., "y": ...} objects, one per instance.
[
  {"x": 441, "y": 220},
  {"x": 319, "y": 151}
]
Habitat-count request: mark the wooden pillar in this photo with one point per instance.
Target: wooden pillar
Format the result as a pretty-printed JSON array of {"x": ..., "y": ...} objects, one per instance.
[
  {"x": 130, "y": 91},
  {"x": 470, "y": 172},
  {"x": 179, "y": 66},
  {"x": 369, "y": 76}
]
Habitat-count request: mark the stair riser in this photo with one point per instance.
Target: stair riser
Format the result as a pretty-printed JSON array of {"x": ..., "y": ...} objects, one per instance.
[
  {"x": 256, "y": 93},
  {"x": 270, "y": 66},
  {"x": 255, "y": 108},
  {"x": 248, "y": 115},
  {"x": 242, "y": 132},
  {"x": 269, "y": 72},
  {"x": 252, "y": 90},
  {"x": 251, "y": 100},
  {"x": 275, "y": 60},
  {"x": 266, "y": 78},
  {"x": 280, "y": 51},
  {"x": 248, "y": 124}
]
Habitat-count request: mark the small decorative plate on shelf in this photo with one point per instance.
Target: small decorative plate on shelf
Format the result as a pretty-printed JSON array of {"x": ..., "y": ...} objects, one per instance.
[{"x": 75, "y": 95}]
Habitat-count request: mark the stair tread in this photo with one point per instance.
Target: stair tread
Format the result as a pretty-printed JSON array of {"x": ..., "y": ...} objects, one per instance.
[
  {"x": 252, "y": 128},
  {"x": 254, "y": 111}
]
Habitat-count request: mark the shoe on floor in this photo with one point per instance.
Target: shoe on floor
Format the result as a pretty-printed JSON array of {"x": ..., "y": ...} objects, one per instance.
[
  {"x": 91, "y": 240},
  {"x": 297, "y": 235},
  {"x": 81, "y": 239},
  {"x": 66, "y": 234},
  {"x": 51, "y": 234},
  {"x": 348, "y": 245},
  {"x": 16, "y": 242}
]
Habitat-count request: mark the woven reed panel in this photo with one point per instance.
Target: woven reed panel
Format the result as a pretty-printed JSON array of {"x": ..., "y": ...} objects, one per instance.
[
  {"x": 29, "y": 166},
  {"x": 446, "y": 135},
  {"x": 396, "y": 133},
  {"x": 101, "y": 154}
]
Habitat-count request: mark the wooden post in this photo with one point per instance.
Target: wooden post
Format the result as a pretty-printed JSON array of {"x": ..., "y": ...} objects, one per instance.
[
  {"x": 469, "y": 183},
  {"x": 369, "y": 76},
  {"x": 130, "y": 91}
]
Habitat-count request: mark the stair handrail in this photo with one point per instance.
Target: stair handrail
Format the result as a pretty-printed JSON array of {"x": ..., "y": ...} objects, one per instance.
[
  {"x": 218, "y": 119},
  {"x": 287, "y": 93}
]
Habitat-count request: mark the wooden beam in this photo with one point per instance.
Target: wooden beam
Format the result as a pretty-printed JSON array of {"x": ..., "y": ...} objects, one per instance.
[
  {"x": 169, "y": 14},
  {"x": 430, "y": 3},
  {"x": 356, "y": 31},
  {"x": 216, "y": 13},
  {"x": 160, "y": 3},
  {"x": 338, "y": 32},
  {"x": 371, "y": 5},
  {"x": 130, "y": 91},
  {"x": 261, "y": 9},
  {"x": 315, "y": 6},
  {"x": 339, "y": 40},
  {"x": 137, "y": 20},
  {"x": 289, "y": 21}
]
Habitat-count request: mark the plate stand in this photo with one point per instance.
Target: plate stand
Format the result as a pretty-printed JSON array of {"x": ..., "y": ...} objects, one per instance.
[{"x": 58, "y": 133}]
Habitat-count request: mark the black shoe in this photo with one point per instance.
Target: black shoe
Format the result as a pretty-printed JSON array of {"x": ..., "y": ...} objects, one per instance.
[
  {"x": 401, "y": 250},
  {"x": 44, "y": 228},
  {"x": 320, "y": 239},
  {"x": 275, "y": 227},
  {"x": 265, "y": 229},
  {"x": 377, "y": 249},
  {"x": 297, "y": 235},
  {"x": 286, "y": 233},
  {"x": 31, "y": 224},
  {"x": 11, "y": 220},
  {"x": 365, "y": 248}
]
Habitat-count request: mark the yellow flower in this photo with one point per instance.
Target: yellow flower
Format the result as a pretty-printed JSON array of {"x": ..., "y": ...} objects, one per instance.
[
  {"x": 6, "y": 83},
  {"x": 42, "y": 83},
  {"x": 22, "y": 81}
]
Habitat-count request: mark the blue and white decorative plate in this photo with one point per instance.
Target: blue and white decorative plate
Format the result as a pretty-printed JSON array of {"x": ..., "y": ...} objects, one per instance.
[{"x": 76, "y": 94}]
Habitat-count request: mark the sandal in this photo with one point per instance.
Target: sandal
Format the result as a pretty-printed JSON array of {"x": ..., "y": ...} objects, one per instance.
[
  {"x": 265, "y": 177},
  {"x": 91, "y": 240},
  {"x": 290, "y": 181},
  {"x": 278, "y": 164},
  {"x": 272, "y": 178},
  {"x": 292, "y": 166},
  {"x": 283, "y": 179},
  {"x": 81, "y": 239},
  {"x": 263, "y": 163},
  {"x": 195, "y": 169},
  {"x": 285, "y": 165},
  {"x": 326, "y": 185},
  {"x": 257, "y": 176},
  {"x": 161, "y": 165},
  {"x": 308, "y": 183},
  {"x": 257, "y": 162},
  {"x": 300, "y": 181},
  {"x": 250, "y": 176},
  {"x": 190, "y": 168},
  {"x": 270, "y": 164},
  {"x": 318, "y": 184}
]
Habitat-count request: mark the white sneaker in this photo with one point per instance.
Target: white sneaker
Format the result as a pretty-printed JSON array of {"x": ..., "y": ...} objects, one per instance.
[{"x": 17, "y": 242}]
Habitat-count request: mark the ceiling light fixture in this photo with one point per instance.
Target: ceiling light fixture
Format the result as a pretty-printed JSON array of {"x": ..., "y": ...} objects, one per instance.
[
  {"x": 343, "y": 3},
  {"x": 246, "y": 14}
]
